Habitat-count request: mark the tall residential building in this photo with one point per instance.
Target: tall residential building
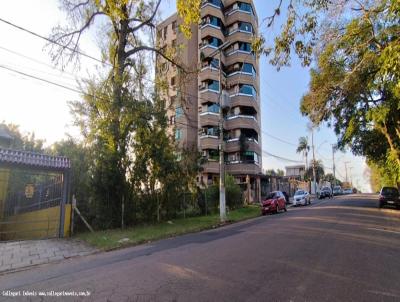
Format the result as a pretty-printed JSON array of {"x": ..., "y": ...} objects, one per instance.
[{"x": 193, "y": 100}]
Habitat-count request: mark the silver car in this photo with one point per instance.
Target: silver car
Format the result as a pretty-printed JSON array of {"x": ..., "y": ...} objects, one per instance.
[{"x": 301, "y": 197}]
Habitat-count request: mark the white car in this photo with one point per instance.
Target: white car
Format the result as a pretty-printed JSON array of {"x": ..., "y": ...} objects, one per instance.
[{"x": 301, "y": 197}]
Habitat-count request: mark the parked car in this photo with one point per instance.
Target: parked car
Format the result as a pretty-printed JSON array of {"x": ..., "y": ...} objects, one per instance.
[
  {"x": 274, "y": 202},
  {"x": 347, "y": 191},
  {"x": 389, "y": 196},
  {"x": 301, "y": 197},
  {"x": 337, "y": 190},
  {"x": 325, "y": 192}
]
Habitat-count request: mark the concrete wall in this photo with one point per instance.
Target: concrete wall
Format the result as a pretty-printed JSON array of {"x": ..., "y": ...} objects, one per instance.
[{"x": 36, "y": 225}]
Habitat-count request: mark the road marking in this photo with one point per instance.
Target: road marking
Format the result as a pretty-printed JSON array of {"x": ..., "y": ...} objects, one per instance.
[
  {"x": 385, "y": 230},
  {"x": 383, "y": 293}
]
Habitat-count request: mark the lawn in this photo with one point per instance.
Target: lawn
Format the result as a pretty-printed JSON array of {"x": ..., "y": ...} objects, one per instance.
[{"x": 111, "y": 239}]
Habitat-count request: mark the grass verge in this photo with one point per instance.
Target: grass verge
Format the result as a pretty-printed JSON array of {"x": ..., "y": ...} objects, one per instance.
[{"x": 112, "y": 239}]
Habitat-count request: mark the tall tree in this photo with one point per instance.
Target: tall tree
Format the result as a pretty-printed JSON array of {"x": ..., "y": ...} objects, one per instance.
[
  {"x": 118, "y": 100},
  {"x": 356, "y": 84},
  {"x": 304, "y": 148}
]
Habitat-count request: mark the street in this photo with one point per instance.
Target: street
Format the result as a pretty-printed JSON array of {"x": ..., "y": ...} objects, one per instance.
[{"x": 341, "y": 249}]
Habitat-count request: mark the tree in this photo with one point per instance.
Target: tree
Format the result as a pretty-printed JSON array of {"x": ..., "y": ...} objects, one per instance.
[
  {"x": 319, "y": 171},
  {"x": 304, "y": 148},
  {"x": 117, "y": 109},
  {"x": 333, "y": 180},
  {"x": 355, "y": 86}
]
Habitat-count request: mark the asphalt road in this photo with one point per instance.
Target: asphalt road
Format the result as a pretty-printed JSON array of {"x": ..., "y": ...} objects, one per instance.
[{"x": 342, "y": 249}]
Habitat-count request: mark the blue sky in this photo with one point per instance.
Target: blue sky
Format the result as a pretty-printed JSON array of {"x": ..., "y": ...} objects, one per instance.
[{"x": 41, "y": 108}]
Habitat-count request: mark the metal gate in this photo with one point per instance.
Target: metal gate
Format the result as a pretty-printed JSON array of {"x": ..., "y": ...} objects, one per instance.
[{"x": 34, "y": 195}]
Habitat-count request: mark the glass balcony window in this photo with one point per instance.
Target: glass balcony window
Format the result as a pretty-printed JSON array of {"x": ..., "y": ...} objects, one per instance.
[
  {"x": 178, "y": 134},
  {"x": 213, "y": 108},
  {"x": 245, "y": 7},
  {"x": 178, "y": 112},
  {"x": 247, "y": 27},
  {"x": 248, "y": 90},
  {"x": 217, "y": 3}
]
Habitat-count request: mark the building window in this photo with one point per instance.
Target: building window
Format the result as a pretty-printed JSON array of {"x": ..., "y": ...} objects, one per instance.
[
  {"x": 213, "y": 108},
  {"x": 178, "y": 134},
  {"x": 244, "y": 26},
  {"x": 245, "y": 47},
  {"x": 248, "y": 90},
  {"x": 173, "y": 43},
  {"x": 172, "y": 120},
  {"x": 174, "y": 27},
  {"x": 249, "y": 68},
  {"x": 173, "y": 81},
  {"x": 165, "y": 32},
  {"x": 213, "y": 85},
  {"x": 178, "y": 112},
  {"x": 246, "y": 7}
]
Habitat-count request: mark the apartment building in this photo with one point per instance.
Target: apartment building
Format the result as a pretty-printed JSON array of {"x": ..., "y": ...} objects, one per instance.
[{"x": 227, "y": 73}]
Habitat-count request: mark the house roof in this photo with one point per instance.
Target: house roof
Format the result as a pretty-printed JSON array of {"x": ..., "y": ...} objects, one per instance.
[{"x": 33, "y": 159}]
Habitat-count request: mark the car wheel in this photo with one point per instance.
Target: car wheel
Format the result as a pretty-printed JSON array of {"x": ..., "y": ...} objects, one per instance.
[
  {"x": 381, "y": 205},
  {"x": 277, "y": 209},
  {"x": 285, "y": 209}
]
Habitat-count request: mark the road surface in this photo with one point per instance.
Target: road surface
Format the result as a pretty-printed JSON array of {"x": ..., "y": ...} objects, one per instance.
[{"x": 342, "y": 249}]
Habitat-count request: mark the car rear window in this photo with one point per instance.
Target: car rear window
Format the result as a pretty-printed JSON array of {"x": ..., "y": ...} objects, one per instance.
[{"x": 389, "y": 190}]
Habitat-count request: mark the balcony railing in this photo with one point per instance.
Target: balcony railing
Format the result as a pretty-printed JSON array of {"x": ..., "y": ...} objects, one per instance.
[{"x": 232, "y": 117}]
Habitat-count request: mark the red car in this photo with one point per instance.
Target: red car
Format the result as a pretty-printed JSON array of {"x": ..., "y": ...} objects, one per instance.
[{"x": 274, "y": 202}]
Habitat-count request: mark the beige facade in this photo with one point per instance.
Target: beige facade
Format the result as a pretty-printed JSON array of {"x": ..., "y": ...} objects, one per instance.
[{"x": 233, "y": 23}]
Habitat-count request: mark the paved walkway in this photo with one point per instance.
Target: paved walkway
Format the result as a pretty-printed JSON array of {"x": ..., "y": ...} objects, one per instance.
[{"x": 18, "y": 255}]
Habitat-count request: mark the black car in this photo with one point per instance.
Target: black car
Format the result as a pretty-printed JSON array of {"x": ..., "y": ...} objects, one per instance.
[
  {"x": 389, "y": 196},
  {"x": 325, "y": 192}
]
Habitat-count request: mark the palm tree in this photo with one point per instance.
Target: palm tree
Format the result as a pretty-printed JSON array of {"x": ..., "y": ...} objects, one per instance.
[{"x": 303, "y": 147}]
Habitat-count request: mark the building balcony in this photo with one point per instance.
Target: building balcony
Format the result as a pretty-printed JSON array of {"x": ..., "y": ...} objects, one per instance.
[
  {"x": 240, "y": 168},
  {"x": 239, "y": 35},
  {"x": 242, "y": 122},
  {"x": 209, "y": 74},
  {"x": 211, "y": 30},
  {"x": 244, "y": 100},
  {"x": 209, "y": 142},
  {"x": 213, "y": 10},
  {"x": 239, "y": 56},
  {"x": 239, "y": 77},
  {"x": 207, "y": 95},
  {"x": 211, "y": 166},
  {"x": 234, "y": 146},
  {"x": 239, "y": 15},
  {"x": 209, "y": 118}
]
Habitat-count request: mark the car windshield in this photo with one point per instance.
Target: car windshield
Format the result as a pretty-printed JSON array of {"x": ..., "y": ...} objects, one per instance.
[
  {"x": 389, "y": 190},
  {"x": 325, "y": 189},
  {"x": 272, "y": 195},
  {"x": 300, "y": 192}
]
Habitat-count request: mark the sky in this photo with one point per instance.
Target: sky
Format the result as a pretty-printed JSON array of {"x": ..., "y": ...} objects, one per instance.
[{"x": 42, "y": 108}]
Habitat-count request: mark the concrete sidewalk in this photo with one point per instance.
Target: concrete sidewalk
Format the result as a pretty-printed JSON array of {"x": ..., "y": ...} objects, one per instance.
[{"x": 19, "y": 255}]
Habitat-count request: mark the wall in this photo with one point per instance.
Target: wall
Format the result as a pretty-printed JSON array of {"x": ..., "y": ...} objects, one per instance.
[
  {"x": 36, "y": 225},
  {"x": 4, "y": 174}
]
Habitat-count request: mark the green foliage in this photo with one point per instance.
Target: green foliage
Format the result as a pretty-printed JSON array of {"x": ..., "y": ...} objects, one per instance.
[
  {"x": 354, "y": 87},
  {"x": 319, "y": 171},
  {"x": 234, "y": 196}
]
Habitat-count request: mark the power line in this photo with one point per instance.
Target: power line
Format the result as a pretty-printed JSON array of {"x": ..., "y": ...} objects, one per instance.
[{"x": 52, "y": 41}]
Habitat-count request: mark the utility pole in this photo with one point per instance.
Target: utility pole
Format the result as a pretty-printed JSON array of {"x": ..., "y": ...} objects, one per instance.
[
  {"x": 351, "y": 178},
  {"x": 222, "y": 95},
  {"x": 222, "y": 201},
  {"x": 333, "y": 167},
  {"x": 345, "y": 166},
  {"x": 313, "y": 151}
]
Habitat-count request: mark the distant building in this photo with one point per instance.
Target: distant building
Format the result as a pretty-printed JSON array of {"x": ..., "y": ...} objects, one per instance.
[{"x": 295, "y": 171}]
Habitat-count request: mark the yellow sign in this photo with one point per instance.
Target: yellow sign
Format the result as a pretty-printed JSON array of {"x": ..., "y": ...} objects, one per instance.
[{"x": 29, "y": 190}]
